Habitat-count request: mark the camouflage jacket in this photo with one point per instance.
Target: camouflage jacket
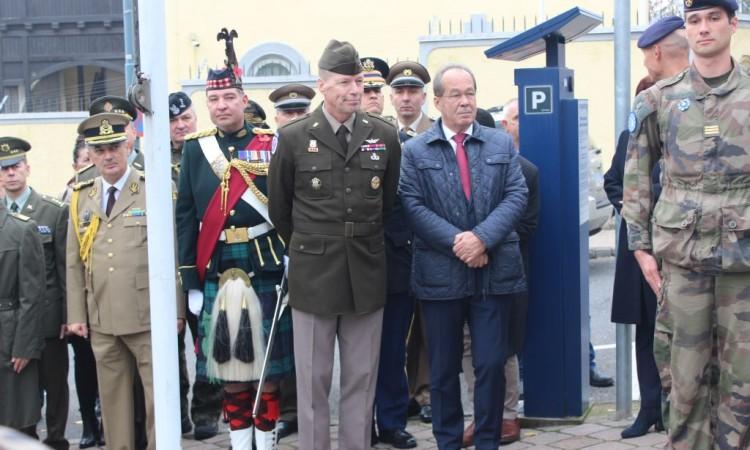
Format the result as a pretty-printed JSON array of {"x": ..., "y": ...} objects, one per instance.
[{"x": 702, "y": 218}]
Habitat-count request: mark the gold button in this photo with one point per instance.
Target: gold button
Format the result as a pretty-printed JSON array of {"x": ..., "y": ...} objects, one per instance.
[
  {"x": 232, "y": 212},
  {"x": 111, "y": 269},
  {"x": 109, "y": 241},
  {"x": 110, "y": 254}
]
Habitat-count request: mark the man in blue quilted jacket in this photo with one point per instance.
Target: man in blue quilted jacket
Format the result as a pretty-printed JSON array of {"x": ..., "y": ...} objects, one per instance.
[{"x": 463, "y": 194}]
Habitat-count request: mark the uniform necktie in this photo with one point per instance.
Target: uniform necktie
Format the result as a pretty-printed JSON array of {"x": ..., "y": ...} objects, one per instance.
[
  {"x": 14, "y": 207},
  {"x": 341, "y": 136},
  {"x": 463, "y": 164},
  {"x": 110, "y": 199}
]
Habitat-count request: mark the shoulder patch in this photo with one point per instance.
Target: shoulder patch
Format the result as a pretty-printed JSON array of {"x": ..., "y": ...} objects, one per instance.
[
  {"x": 53, "y": 200},
  {"x": 202, "y": 133},
  {"x": 644, "y": 105},
  {"x": 20, "y": 217},
  {"x": 83, "y": 184},
  {"x": 258, "y": 130},
  {"x": 295, "y": 120}
]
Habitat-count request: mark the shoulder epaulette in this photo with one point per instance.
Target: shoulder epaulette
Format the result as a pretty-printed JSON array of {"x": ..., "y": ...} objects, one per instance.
[
  {"x": 83, "y": 169},
  {"x": 258, "y": 130},
  {"x": 295, "y": 120},
  {"x": 20, "y": 216},
  {"x": 202, "y": 133},
  {"x": 381, "y": 119},
  {"x": 83, "y": 184},
  {"x": 53, "y": 200},
  {"x": 671, "y": 80}
]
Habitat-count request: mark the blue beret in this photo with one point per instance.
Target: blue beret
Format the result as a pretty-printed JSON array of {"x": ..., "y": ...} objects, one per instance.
[
  {"x": 659, "y": 30},
  {"x": 693, "y": 5}
]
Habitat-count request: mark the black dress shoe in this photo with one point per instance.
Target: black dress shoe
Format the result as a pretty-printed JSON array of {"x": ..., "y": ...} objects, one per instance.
[
  {"x": 598, "y": 380},
  {"x": 397, "y": 438},
  {"x": 646, "y": 418},
  {"x": 205, "y": 430},
  {"x": 425, "y": 414},
  {"x": 285, "y": 427},
  {"x": 87, "y": 441}
]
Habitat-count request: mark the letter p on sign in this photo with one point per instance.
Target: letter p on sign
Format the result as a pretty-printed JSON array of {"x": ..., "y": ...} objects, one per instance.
[{"x": 538, "y": 99}]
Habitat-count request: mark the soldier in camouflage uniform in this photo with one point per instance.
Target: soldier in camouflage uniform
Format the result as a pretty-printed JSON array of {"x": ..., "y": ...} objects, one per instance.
[{"x": 699, "y": 228}]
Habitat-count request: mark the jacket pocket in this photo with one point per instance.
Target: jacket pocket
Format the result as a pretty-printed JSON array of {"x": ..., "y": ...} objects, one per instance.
[
  {"x": 432, "y": 268},
  {"x": 673, "y": 234},
  {"x": 372, "y": 172},
  {"x": 735, "y": 239},
  {"x": 314, "y": 178},
  {"x": 142, "y": 297},
  {"x": 307, "y": 245},
  {"x": 135, "y": 230},
  {"x": 506, "y": 267}
]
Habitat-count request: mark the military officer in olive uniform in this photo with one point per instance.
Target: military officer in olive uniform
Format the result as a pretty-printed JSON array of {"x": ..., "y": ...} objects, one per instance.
[
  {"x": 117, "y": 105},
  {"x": 107, "y": 277},
  {"x": 51, "y": 217},
  {"x": 694, "y": 125},
  {"x": 231, "y": 259},
  {"x": 21, "y": 298},
  {"x": 290, "y": 102},
  {"x": 333, "y": 180},
  {"x": 205, "y": 406}
]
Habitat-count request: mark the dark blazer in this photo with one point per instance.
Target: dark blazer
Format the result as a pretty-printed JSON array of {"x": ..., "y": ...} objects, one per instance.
[
  {"x": 437, "y": 210},
  {"x": 632, "y": 297},
  {"x": 51, "y": 217},
  {"x": 329, "y": 205}
]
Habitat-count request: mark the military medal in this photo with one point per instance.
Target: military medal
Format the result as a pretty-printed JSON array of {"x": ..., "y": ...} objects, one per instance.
[
  {"x": 316, "y": 184},
  {"x": 684, "y": 104},
  {"x": 375, "y": 183}
]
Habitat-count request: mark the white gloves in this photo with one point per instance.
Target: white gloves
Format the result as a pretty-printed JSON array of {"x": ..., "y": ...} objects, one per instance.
[{"x": 195, "y": 301}]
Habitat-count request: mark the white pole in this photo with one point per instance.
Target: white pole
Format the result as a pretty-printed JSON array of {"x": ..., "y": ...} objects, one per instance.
[{"x": 161, "y": 257}]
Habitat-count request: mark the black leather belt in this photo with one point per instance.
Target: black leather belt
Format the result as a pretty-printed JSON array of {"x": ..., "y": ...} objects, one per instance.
[{"x": 345, "y": 229}]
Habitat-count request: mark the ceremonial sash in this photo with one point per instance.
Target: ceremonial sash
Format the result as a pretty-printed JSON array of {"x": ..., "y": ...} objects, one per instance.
[{"x": 214, "y": 217}]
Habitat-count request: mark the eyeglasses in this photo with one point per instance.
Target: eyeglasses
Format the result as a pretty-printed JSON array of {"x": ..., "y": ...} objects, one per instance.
[{"x": 470, "y": 95}]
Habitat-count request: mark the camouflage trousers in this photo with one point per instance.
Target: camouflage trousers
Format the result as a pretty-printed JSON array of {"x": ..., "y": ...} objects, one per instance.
[{"x": 703, "y": 327}]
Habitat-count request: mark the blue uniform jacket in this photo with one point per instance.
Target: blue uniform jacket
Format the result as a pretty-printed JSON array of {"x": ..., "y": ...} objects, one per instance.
[{"x": 436, "y": 209}]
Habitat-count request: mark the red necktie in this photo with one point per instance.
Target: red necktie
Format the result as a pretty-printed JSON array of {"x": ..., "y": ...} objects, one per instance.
[{"x": 463, "y": 164}]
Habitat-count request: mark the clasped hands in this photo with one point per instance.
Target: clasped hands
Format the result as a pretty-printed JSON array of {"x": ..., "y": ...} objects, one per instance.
[{"x": 470, "y": 249}]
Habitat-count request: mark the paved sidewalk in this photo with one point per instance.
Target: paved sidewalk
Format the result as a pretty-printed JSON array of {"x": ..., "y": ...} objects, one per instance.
[{"x": 599, "y": 432}]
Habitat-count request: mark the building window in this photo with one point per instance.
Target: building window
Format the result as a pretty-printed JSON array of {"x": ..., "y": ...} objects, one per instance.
[
  {"x": 274, "y": 59},
  {"x": 272, "y": 66},
  {"x": 663, "y": 8}
]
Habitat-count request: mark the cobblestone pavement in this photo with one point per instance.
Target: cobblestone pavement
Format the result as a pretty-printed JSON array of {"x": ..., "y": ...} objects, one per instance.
[{"x": 599, "y": 432}]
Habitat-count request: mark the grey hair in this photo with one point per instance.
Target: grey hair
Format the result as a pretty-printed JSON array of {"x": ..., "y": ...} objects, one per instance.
[{"x": 437, "y": 83}]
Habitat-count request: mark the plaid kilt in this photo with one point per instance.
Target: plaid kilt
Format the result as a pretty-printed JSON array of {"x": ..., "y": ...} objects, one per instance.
[{"x": 264, "y": 281}]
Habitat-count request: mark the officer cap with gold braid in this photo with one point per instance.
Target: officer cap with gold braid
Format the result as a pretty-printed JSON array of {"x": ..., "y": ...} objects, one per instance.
[
  {"x": 408, "y": 73},
  {"x": 340, "y": 57},
  {"x": 375, "y": 72},
  {"x": 730, "y": 6},
  {"x": 12, "y": 151},
  {"x": 113, "y": 104},
  {"x": 104, "y": 128}
]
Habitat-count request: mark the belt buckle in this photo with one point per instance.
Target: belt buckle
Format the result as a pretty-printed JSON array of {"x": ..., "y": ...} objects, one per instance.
[
  {"x": 349, "y": 229},
  {"x": 236, "y": 235}
]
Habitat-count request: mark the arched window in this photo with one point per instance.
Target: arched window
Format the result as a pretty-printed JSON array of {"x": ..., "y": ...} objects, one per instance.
[{"x": 274, "y": 59}]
